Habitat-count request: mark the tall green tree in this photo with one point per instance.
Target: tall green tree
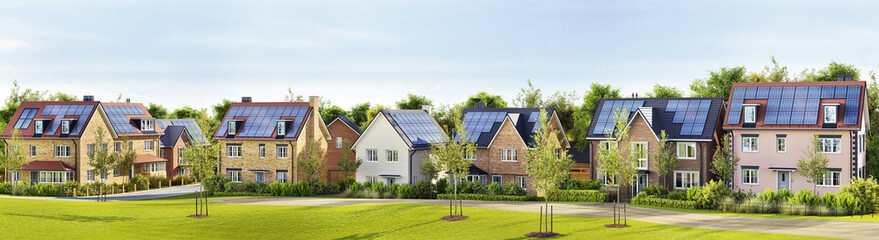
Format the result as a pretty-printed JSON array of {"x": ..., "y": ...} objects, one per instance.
[
  {"x": 529, "y": 97},
  {"x": 829, "y": 73},
  {"x": 18, "y": 95},
  {"x": 14, "y": 157},
  {"x": 357, "y": 114},
  {"x": 331, "y": 113},
  {"x": 157, "y": 111},
  {"x": 491, "y": 101},
  {"x": 219, "y": 110},
  {"x": 666, "y": 160},
  {"x": 725, "y": 162},
  {"x": 292, "y": 96},
  {"x": 873, "y": 133},
  {"x": 718, "y": 83},
  {"x": 371, "y": 113},
  {"x": 431, "y": 169},
  {"x": 660, "y": 91},
  {"x": 413, "y": 102},
  {"x": 611, "y": 162},
  {"x": 813, "y": 165},
  {"x": 583, "y": 117},
  {"x": 443, "y": 114},
  {"x": 202, "y": 158},
  {"x": 547, "y": 163},
  {"x": 188, "y": 112},
  {"x": 450, "y": 155},
  {"x": 347, "y": 164},
  {"x": 776, "y": 73},
  {"x": 100, "y": 158},
  {"x": 312, "y": 162},
  {"x": 564, "y": 104}
]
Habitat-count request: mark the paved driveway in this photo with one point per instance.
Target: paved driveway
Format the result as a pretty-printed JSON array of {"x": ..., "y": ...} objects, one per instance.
[
  {"x": 820, "y": 228},
  {"x": 140, "y": 195}
]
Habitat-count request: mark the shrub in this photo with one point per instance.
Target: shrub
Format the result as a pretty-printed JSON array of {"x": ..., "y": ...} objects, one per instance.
[
  {"x": 181, "y": 178},
  {"x": 848, "y": 203},
  {"x": 367, "y": 185},
  {"x": 495, "y": 189},
  {"x": 66, "y": 189},
  {"x": 140, "y": 180},
  {"x": 611, "y": 192},
  {"x": 379, "y": 187},
  {"x": 804, "y": 197},
  {"x": 678, "y": 195},
  {"x": 260, "y": 188},
  {"x": 215, "y": 183},
  {"x": 576, "y": 195},
  {"x": 5, "y": 188},
  {"x": 693, "y": 192},
  {"x": 654, "y": 190},
  {"x": 441, "y": 186},
  {"x": 828, "y": 200},
  {"x": 572, "y": 184},
  {"x": 43, "y": 189},
  {"x": 276, "y": 188},
  {"x": 155, "y": 180},
  {"x": 662, "y": 202},
  {"x": 483, "y": 197},
  {"x": 866, "y": 191},
  {"x": 513, "y": 189},
  {"x": 591, "y": 185},
  {"x": 241, "y": 194},
  {"x": 346, "y": 182},
  {"x": 21, "y": 188},
  {"x": 403, "y": 191},
  {"x": 712, "y": 194},
  {"x": 317, "y": 187},
  {"x": 302, "y": 188},
  {"x": 332, "y": 188},
  {"x": 422, "y": 190},
  {"x": 355, "y": 187}
]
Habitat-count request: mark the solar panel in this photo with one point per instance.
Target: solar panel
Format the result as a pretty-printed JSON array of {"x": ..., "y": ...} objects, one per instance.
[
  {"x": 26, "y": 117},
  {"x": 605, "y": 123},
  {"x": 419, "y": 127}
]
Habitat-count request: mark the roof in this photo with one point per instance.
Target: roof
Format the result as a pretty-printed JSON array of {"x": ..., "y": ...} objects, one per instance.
[
  {"x": 50, "y": 115},
  {"x": 482, "y": 124},
  {"x": 474, "y": 170},
  {"x": 797, "y": 104},
  {"x": 146, "y": 158},
  {"x": 46, "y": 166},
  {"x": 346, "y": 121},
  {"x": 681, "y": 118},
  {"x": 192, "y": 127},
  {"x": 417, "y": 128},
  {"x": 172, "y": 134},
  {"x": 125, "y": 118},
  {"x": 258, "y": 120}
]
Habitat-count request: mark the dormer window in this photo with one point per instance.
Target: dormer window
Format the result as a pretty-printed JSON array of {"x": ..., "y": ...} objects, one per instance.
[
  {"x": 147, "y": 125},
  {"x": 232, "y": 129},
  {"x": 830, "y": 113},
  {"x": 65, "y": 126},
  {"x": 750, "y": 114},
  {"x": 38, "y": 127},
  {"x": 282, "y": 130}
]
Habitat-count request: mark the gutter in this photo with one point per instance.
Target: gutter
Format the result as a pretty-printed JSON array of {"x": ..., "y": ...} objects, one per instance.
[
  {"x": 412, "y": 153},
  {"x": 76, "y": 158}
]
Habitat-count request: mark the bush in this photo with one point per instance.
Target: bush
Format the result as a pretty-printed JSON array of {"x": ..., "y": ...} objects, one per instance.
[
  {"x": 655, "y": 190},
  {"x": 576, "y": 195},
  {"x": 495, "y": 189},
  {"x": 5, "y": 188},
  {"x": 379, "y": 187},
  {"x": 513, "y": 189},
  {"x": 403, "y": 191},
  {"x": 693, "y": 193},
  {"x": 483, "y": 197},
  {"x": 441, "y": 186},
  {"x": 346, "y": 182},
  {"x": 677, "y": 195},
  {"x": 140, "y": 180},
  {"x": 804, "y": 197},
  {"x": 302, "y": 188},
  {"x": 571, "y": 184},
  {"x": 181, "y": 178},
  {"x": 21, "y": 188},
  {"x": 422, "y": 190},
  {"x": 68, "y": 188},
  {"x": 215, "y": 184},
  {"x": 156, "y": 180},
  {"x": 866, "y": 191},
  {"x": 848, "y": 203},
  {"x": 712, "y": 194},
  {"x": 232, "y": 194},
  {"x": 611, "y": 192},
  {"x": 355, "y": 187},
  {"x": 332, "y": 188},
  {"x": 591, "y": 185},
  {"x": 260, "y": 188},
  {"x": 276, "y": 188},
  {"x": 662, "y": 202},
  {"x": 43, "y": 189},
  {"x": 317, "y": 187}
]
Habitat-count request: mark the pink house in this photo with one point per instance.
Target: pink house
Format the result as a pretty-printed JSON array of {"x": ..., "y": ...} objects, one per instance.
[{"x": 771, "y": 126}]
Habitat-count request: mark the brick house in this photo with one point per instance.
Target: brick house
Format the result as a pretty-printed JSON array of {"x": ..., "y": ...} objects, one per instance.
[
  {"x": 57, "y": 137},
  {"x": 693, "y": 128},
  {"x": 345, "y": 132},
  {"x": 772, "y": 124},
  {"x": 263, "y": 141},
  {"x": 178, "y": 134},
  {"x": 502, "y": 136}
]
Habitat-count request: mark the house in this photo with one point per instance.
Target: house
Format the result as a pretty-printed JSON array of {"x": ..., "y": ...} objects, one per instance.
[
  {"x": 502, "y": 136},
  {"x": 691, "y": 124},
  {"x": 57, "y": 137},
  {"x": 345, "y": 132},
  {"x": 179, "y": 133},
  {"x": 394, "y": 145},
  {"x": 582, "y": 165},
  {"x": 263, "y": 142},
  {"x": 771, "y": 126}
]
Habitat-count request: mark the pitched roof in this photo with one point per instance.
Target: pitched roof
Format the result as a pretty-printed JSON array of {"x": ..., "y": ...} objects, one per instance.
[
  {"x": 681, "y": 118},
  {"x": 258, "y": 120},
  {"x": 146, "y": 158},
  {"x": 172, "y": 134},
  {"x": 192, "y": 128},
  {"x": 346, "y": 121},
  {"x": 417, "y": 128},
  {"x": 482, "y": 124},
  {"x": 125, "y": 117},
  {"x": 50, "y": 115},
  {"x": 46, "y": 166},
  {"x": 797, "y": 104}
]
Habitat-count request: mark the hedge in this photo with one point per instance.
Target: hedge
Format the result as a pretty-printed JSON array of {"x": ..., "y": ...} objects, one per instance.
[
  {"x": 576, "y": 195},
  {"x": 663, "y": 202},
  {"x": 484, "y": 197},
  {"x": 234, "y": 194}
]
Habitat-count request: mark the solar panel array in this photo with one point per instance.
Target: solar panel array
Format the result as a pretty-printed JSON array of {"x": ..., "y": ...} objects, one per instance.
[
  {"x": 477, "y": 123},
  {"x": 795, "y": 105},
  {"x": 262, "y": 120},
  {"x": 118, "y": 117},
  {"x": 60, "y": 111},
  {"x": 691, "y": 113},
  {"x": 533, "y": 119},
  {"x": 605, "y": 122},
  {"x": 190, "y": 124},
  {"x": 27, "y": 116},
  {"x": 420, "y": 128}
]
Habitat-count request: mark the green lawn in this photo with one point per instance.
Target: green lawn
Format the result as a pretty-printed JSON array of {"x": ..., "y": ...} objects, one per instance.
[
  {"x": 44, "y": 219},
  {"x": 858, "y": 218}
]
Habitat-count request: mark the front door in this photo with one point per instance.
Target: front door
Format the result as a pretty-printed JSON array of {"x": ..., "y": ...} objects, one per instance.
[
  {"x": 640, "y": 184},
  {"x": 783, "y": 180},
  {"x": 35, "y": 177}
]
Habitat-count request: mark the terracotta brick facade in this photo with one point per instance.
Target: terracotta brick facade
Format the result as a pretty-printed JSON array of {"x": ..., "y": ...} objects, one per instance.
[{"x": 339, "y": 129}]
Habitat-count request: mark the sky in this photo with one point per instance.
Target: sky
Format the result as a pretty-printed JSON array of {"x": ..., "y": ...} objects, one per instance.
[{"x": 196, "y": 53}]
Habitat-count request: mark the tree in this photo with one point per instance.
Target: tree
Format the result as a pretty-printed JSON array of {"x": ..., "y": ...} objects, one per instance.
[
  {"x": 775, "y": 74},
  {"x": 611, "y": 163},
  {"x": 188, "y": 112},
  {"x": 357, "y": 114},
  {"x": 583, "y": 117},
  {"x": 346, "y": 164},
  {"x": 413, "y": 101},
  {"x": 157, "y": 111},
  {"x": 450, "y": 156},
  {"x": 371, "y": 114},
  {"x": 564, "y": 106},
  {"x": 491, "y": 101},
  {"x": 547, "y": 164},
  {"x": 293, "y": 97},
  {"x": 126, "y": 157},
  {"x": 724, "y": 163},
  {"x": 666, "y": 160},
  {"x": 529, "y": 97},
  {"x": 331, "y": 113},
  {"x": 873, "y": 134},
  {"x": 17, "y": 95},
  {"x": 220, "y": 109},
  {"x": 829, "y": 73},
  {"x": 718, "y": 83},
  {"x": 100, "y": 158},
  {"x": 660, "y": 91},
  {"x": 312, "y": 162},
  {"x": 445, "y": 115},
  {"x": 201, "y": 159},
  {"x": 13, "y": 158},
  {"x": 431, "y": 169},
  {"x": 813, "y": 165}
]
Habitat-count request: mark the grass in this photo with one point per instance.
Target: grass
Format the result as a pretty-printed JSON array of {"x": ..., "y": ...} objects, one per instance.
[
  {"x": 857, "y": 218},
  {"x": 43, "y": 219}
]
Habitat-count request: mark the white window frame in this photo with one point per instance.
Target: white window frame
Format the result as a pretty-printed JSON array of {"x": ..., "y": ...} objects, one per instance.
[
  {"x": 281, "y": 177},
  {"x": 38, "y": 127},
  {"x": 62, "y": 151},
  {"x": 233, "y": 151},
  {"x": 686, "y": 177},
  {"x": 33, "y": 150},
  {"x": 180, "y": 159},
  {"x": 281, "y": 129},
  {"x": 89, "y": 148},
  {"x": 338, "y": 142},
  {"x": 154, "y": 167},
  {"x": 371, "y": 155},
  {"x": 281, "y": 151},
  {"x": 471, "y": 157},
  {"x": 390, "y": 181},
  {"x": 117, "y": 147},
  {"x": 750, "y": 144},
  {"x": 686, "y": 146},
  {"x": 509, "y": 155},
  {"x": 747, "y": 174},
  {"x": 259, "y": 177},
  {"x": 828, "y": 177},
  {"x": 371, "y": 179},
  {"x": 262, "y": 151},
  {"x": 90, "y": 175},
  {"x": 831, "y": 118},
  {"x": 231, "y": 127},
  {"x": 15, "y": 176},
  {"x": 835, "y": 145},
  {"x": 606, "y": 145},
  {"x": 645, "y": 158},
  {"x": 522, "y": 182},
  {"x": 55, "y": 177},
  {"x": 781, "y": 144},
  {"x": 148, "y": 145},
  {"x": 749, "y": 114},
  {"x": 234, "y": 175},
  {"x": 65, "y": 126},
  {"x": 475, "y": 178},
  {"x": 147, "y": 125},
  {"x": 391, "y": 155}
]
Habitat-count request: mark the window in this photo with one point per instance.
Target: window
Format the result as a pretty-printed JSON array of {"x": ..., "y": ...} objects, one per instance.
[
  {"x": 180, "y": 159},
  {"x": 262, "y": 151},
  {"x": 829, "y": 145},
  {"x": 15, "y": 176},
  {"x": 231, "y": 127},
  {"x": 750, "y": 114},
  {"x": 830, "y": 179},
  {"x": 33, "y": 150},
  {"x": 608, "y": 180},
  {"x": 62, "y": 151},
  {"x": 161, "y": 153},
  {"x": 471, "y": 156},
  {"x": 155, "y": 167},
  {"x": 509, "y": 155},
  {"x": 281, "y": 176},
  {"x": 117, "y": 146},
  {"x": 260, "y": 177},
  {"x": 498, "y": 179},
  {"x": 147, "y": 125},
  {"x": 476, "y": 178},
  {"x": 117, "y": 171},
  {"x": 90, "y": 175},
  {"x": 392, "y": 155},
  {"x": 65, "y": 126},
  {"x": 830, "y": 114},
  {"x": 233, "y": 151},
  {"x": 148, "y": 145},
  {"x": 781, "y": 144},
  {"x": 863, "y": 143},
  {"x": 103, "y": 176},
  {"x": 130, "y": 146},
  {"x": 640, "y": 150},
  {"x": 391, "y": 181},
  {"x": 90, "y": 148},
  {"x": 520, "y": 180},
  {"x": 234, "y": 175},
  {"x": 606, "y": 145},
  {"x": 371, "y": 179},
  {"x": 749, "y": 176},
  {"x": 282, "y": 151},
  {"x": 371, "y": 155},
  {"x": 281, "y": 129},
  {"x": 38, "y": 127},
  {"x": 104, "y": 147},
  {"x": 53, "y": 177},
  {"x": 685, "y": 180},
  {"x": 687, "y": 150},
  {"x": 338, "y": 142},
  {"x": 749, "y": 144}
]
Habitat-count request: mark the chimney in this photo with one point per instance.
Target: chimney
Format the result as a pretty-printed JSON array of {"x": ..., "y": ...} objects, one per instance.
[
  {"x": 128, "y": 100},
  {"x": 246, "y": 99},
  {"x": 840, "y": 77},
  {"x": 314, "y": 102},
  {"x": 427, "y": 108},
  {"x": 88, "y": 97},
  {"x": 849, "y": 77},
  {"x": 479, "y": 105}
]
